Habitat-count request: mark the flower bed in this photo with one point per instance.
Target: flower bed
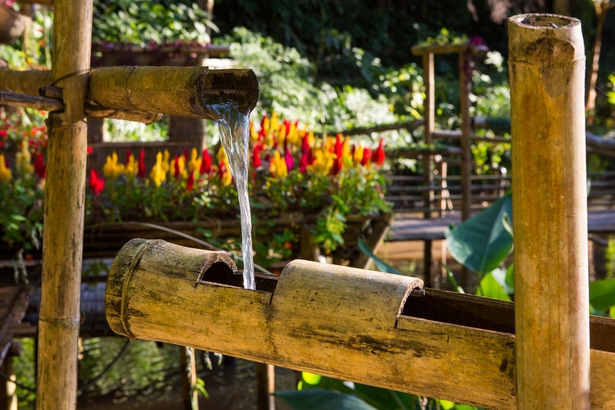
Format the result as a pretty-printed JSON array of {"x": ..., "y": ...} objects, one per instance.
[{"x": 325, "y": 187}]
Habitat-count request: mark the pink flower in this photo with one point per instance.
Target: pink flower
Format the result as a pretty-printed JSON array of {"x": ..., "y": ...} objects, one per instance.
[{"x": 290, "y": 162}]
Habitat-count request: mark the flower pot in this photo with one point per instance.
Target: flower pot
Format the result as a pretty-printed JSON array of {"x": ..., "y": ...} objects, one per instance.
[{"x": 12, "y": 25}]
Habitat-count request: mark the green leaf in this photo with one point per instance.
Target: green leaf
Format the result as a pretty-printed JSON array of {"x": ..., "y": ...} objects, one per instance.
[
  {"x": 510, "y": 277},
  {"x": 380, "y": 264},
  {"x": 489, "y": 287},
  {"x": 602, "y": 294},
  {"x": 453, "y": 281},
  {"x": 447, "y": 405},
  {"x": 482, "y": 242},
  {"x": 311, "y": 378},
  {"x": 320, "y": 399}
]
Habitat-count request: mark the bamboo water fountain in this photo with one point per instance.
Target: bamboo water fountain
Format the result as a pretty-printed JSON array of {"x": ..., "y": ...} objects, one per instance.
[{"x": 383, "y": 329}]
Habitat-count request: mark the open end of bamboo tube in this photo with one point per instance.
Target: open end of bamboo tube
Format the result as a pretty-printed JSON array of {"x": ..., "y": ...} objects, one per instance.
[{"x": 544, "y": 20}]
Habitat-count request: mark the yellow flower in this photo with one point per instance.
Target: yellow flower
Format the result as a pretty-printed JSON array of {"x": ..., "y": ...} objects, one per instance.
[
  {"x": 358, "y": 154},
  {"x": 274, "y": 123},
  {"x": 112, "y": 169},
  {"x": 158, "y": 174},
  {"x": 293, "y": 135},
  {"x": 194, "y": 165},
  {"x": 23, "y": 159},
  {"x": 253, "y": 133},
  {"x": 323, "y": 162},
  {"x": 227, "y": 176},
  {"x": 222, "y": 156},
  {"x": 5, "y": 173},
  {"x": 181, "y": 164},
  {"x": 166, "y": 161},
  {"x": 277, "y": 166},
  {"x": 132, "y": 168},
  {"x": 281, "y": 135}
]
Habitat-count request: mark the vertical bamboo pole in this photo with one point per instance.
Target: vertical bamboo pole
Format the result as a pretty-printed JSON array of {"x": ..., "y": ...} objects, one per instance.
[
  {"x": 187, "y": 360},
  {"x": 265, "y": 386},
  {"x": 428, "y": 195},
  {"x": 549, "y": 200},
  {"x": 465, "y": 84},
  {"x": 64, "y": 205}
]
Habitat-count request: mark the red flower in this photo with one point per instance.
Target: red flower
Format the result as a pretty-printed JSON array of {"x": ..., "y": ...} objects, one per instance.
[
  {"x": 128, "y": 154},
  {"x": 186, "y": 155},
  {"x": 205, "y": 163},
  {"x": 3, "y": 133},
  {"x": 176, "y": 170},
  {"x": 288, "y": 158},
  {"x": 141, "y": 165},
  {"x": 39, "y": 167},
  {"x": 90, "y": 150},
  {"x": 305, "y": 160},
  {"x": 96, "y": 183},
  {"x": 379, "y": 156},
  {"x": 190, "y": 181},
  {"x": 305, "y": 143},
  {"x": 256, "y": 156},
  {"x": 339, "y": 151},
  {"x": 367, "y": 156}
]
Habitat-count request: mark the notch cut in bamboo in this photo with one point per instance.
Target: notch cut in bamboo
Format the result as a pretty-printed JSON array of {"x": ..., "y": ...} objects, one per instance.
[{"x": 357, "y": 325}]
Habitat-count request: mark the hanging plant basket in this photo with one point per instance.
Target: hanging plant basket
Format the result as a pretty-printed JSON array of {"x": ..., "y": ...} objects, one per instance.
[{"x": 12, "y": 25}]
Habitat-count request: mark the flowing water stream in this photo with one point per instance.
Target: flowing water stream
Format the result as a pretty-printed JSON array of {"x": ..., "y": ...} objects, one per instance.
[{"x": 235, "y": 134}]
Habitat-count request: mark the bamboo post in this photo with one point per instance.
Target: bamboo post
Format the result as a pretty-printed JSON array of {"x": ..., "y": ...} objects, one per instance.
[
  {"x": 64, "y": 203},
  {"x": 465, "y": 84},
  {"x": 549, "y": 198},
  {"x": 265, "y": 386},
  {"x": 187, "y": 360},
  {"x": 428, "y": 195}
]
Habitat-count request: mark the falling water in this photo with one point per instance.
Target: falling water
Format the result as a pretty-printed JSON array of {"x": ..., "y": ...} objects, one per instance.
[{"x": 235, "y": 131}]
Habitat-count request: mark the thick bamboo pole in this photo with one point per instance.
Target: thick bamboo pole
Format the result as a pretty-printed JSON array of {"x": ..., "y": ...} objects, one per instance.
[
  {"x": 64, "y": 203},
  {"x": 549, "y": 200},
  {"x": 351, "y": 324}
]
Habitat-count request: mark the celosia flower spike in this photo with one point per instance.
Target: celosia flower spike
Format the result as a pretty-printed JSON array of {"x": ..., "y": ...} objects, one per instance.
[
  {"x": 142, "y": 169},
  {"x": 39, "y": 167},
  {"x": 97, "y": 184},
  {"x": 379, "y": 156},
  {"x": 205, "y": 162},
  {"x": 5, "y": 172}
]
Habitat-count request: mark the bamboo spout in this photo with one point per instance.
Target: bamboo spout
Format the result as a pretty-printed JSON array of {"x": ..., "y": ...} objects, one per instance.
[{"x": 195, "y": 92}]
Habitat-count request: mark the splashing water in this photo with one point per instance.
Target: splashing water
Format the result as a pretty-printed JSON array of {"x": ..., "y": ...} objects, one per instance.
[{"x": 234, "y": 128}]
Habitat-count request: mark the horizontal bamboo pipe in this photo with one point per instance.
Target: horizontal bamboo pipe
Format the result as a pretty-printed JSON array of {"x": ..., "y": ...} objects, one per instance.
[
  {"x": 195, "y": 92},
  {"x": 341, "y": 322}
]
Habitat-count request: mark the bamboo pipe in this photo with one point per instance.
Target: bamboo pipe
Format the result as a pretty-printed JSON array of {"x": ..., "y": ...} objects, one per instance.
[
  {"x": 194, "y": 92},
  {"x": 549, "y": 199},
  {"x": 356, "y": 325},
  {"x": 60, "y": 315}
]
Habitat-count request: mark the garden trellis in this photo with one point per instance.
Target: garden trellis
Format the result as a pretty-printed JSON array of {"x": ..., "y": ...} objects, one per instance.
[{"x": 374, "y": 332}]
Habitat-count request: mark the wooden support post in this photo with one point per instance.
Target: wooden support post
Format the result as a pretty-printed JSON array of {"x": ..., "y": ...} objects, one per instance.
[
  {"x": 549, "y": 199},
  {"x": 465, "y": 84},
  {"x": 265, "y": 386},
  {"x": 187, "y": 360},
  {"x": 59, "y": 316},
  {"x": 428, "y": 195}
]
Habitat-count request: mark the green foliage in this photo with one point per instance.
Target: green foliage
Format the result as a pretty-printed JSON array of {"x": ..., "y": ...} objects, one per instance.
[
  {"x": 144, "y": 370},
  {"x": 482, "y": 242},
  {"x": 321, "y": 399},
  {"x": 144, "y": 22},
  {"x": 380, "y": 264}
]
